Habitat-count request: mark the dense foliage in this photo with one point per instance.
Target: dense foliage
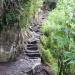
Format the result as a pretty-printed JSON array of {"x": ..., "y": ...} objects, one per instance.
[
  {"x": 58, "y": 39},
  {"x": 20, "y": 11},
  {"x": 29, "y": 10}
]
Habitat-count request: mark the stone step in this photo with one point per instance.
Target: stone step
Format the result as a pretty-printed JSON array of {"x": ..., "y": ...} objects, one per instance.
[
  {"x": 29, "y": 43},
  {"x": 32, "y": 48},
  {"x": 31, "y": 51},
  {"x": 32, "y": 45},
  {"x": 33, "y": 54},
  {"x": 33, "y": 39},
  {"x": 32, "y": 42},
  {"x": 34, "y": 57}
]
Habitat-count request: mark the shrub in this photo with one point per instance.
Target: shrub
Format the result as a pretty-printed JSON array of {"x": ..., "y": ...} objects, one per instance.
[{"x": 59, "y": 31}]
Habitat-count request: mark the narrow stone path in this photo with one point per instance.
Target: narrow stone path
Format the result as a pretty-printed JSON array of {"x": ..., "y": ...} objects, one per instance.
[
  {"x": 32, "y": 44},
  {"x": 30, "y": 56}
]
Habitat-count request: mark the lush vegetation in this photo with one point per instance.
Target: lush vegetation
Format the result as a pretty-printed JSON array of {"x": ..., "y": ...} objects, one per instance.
[
  {"x": 20, "y": 11},
  {"x": 58, "y": 39}
]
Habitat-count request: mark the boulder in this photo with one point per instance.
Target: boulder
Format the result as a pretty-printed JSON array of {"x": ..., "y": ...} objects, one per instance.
[{"x": 42, "y": 69}]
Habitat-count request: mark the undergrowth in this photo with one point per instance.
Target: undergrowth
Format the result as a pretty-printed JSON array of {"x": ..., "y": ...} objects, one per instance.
[
  {"x": 58, "y": 39},
  {"x": 20, "y": 11}
]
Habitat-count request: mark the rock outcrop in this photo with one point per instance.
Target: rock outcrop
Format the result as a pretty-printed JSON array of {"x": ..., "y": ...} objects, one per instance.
[
  {"x": 42, "y": 70},
  {"x": 10, "y": 37},
  {"x": 9, "y": 43}
]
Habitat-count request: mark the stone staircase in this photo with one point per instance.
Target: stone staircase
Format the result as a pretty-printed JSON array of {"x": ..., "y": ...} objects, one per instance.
[
  {"x": 32, "y": 50},
  {"x": 32, "y": 46},
  {"x": 30, "y": 56}
]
